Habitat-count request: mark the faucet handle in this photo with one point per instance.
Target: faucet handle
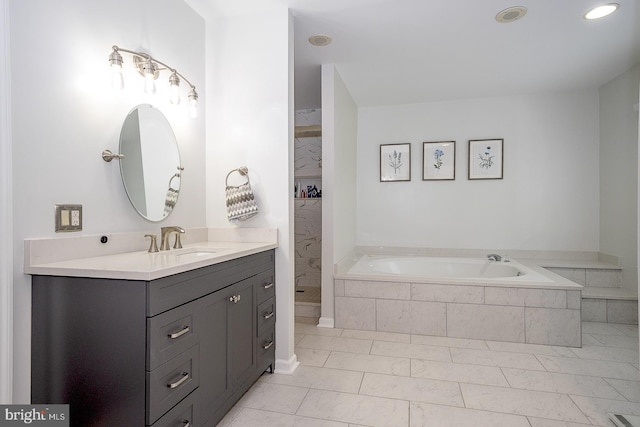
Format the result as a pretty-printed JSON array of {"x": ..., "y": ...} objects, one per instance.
[
  {"x": 177, "y": 244},
  {"x": 153, "y": 245}
]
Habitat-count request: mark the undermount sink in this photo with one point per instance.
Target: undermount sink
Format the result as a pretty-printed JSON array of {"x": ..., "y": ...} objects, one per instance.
[{"x": 194, "y": 253}]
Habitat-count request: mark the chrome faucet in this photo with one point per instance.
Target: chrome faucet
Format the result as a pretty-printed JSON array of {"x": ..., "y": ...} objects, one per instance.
[
  {"x": 494, "y": 257},
  {"x": 165, "y": 232}
]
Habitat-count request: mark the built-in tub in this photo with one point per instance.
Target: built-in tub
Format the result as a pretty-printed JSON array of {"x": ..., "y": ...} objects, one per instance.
[{"x": 471, "y": 298}]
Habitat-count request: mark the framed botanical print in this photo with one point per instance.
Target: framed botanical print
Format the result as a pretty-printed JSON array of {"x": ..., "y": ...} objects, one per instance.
[
  {"x": 438, "y": 160},
  {"x": 486, "y": 158},
  {"x": 395, "y": 162}
]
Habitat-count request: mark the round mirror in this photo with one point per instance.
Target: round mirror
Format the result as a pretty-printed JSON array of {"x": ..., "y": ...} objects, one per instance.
[{"x": 150, "y": 168}]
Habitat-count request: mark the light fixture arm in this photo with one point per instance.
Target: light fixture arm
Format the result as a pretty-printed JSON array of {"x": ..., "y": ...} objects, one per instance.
[{"x": 151, "y": 58}]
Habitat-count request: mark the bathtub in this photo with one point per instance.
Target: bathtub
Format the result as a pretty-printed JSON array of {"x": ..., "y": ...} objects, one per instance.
[{"x": 470, "y": 298}]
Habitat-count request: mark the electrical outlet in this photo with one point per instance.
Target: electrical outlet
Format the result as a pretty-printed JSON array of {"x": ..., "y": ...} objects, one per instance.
[{"x": 68, "y": 218}]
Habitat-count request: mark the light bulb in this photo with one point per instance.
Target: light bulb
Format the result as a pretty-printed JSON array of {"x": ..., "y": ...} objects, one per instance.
[
  {"x": 193, "y": 103},
  {"x": 149, "y": 71},
  {"x": 174, "y": 88},
  {"x": 117, "y": 80}
]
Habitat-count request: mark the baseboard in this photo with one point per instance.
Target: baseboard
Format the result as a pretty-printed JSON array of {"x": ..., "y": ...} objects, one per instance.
[
  {"x": 287, "y": 367},
  {"x": 326, "y": 322}
]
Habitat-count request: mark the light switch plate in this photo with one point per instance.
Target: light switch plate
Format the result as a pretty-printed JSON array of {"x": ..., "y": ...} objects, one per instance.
[{"x": 68, "y": 218}]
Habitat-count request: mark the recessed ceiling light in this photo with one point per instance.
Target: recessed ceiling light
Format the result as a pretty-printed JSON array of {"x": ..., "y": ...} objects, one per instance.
[
  {"x": 511, "y": 14},
  {"x": 320, "y": 40},
  {"x": 601, "y": 11}
]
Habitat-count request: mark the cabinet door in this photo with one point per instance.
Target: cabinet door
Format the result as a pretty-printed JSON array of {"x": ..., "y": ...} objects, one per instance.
[{"x": 242, "y": 327}]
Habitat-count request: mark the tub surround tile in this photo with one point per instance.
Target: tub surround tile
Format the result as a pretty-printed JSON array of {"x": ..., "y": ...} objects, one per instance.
[
  {"x": 594, "y": 310},
  {"x": 604, "y": 369},
  {"x": 353, "y": 408},
  {"x": 320, "y": 378},
  {"x": 604, "y": 278},
  {"x": 622, "y": 312},
  {"x": 376, "y": 335},
  {"x": 447, "y": 293},
  {"x": 338, "y": 288},
  {"x": 399, "y": 366},
  {"x": 497, "y": 323},
  {"x": 428, "y": 318},
  {"x": 426, "y": 414},
  {"x": 596, "y": 409},
  {"x": 413, "y": 389},
  {"x": 574, "y": 300},
  {"x": 522, "y": 402},
  {"x": 393, "y": 316},
  {"x": 356, "y": 313},
  {"x": 383, "y": 290},
  {"x": 496, "y": 358},
  {"x": 413, "y": 351},
  {"x": 459, "y": 372},
  {"x": 554, "y": 327},
  {"x": 321, "y": 342},
  {"x": 560, "y": 383},
  {"x": 547, "y": 298}
]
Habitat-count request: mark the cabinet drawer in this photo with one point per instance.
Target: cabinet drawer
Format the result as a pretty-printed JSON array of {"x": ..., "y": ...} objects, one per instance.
[
  {"x": 170, "y": 334},
  {"x": 172, "y": 382},
  {"x": 181, "y": 415},
  {"x": 266, "y": 349},
  {"x": 266, "y": 285},
  {"x": 266, "y": 315}
]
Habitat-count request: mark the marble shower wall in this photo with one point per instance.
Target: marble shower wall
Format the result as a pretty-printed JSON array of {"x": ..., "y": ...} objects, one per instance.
[{"x": 308, "y": 212}]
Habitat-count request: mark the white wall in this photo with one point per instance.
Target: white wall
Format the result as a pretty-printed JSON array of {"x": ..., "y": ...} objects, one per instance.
[
  {"x": 339, "y": 152},
  {"x": 65, "y": 113},
  {"x": 619, "y": 171},
  {"x": 250, "y": 123},
  {"x": 548, "y": 199}
]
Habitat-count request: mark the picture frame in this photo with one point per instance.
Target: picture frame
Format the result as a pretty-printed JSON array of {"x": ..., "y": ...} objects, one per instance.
[
  {"x": 395, "y": 162},
  {"x": 439, "y": 161},
  {"x": 486, "y": 158}
]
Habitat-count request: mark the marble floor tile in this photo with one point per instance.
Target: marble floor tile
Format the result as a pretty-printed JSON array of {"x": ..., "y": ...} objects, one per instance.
[
  {"x": 319, "y": 342},
  {"x": 541, "y": 422},
  {"x": 596, "y": 409},
  {"x": 622, "y": 341},
  {"x": 629, "y": 330},
  {"x": 474, "y": 374},
  {"x": 308, "y": 329},
  {"x": 415, "y": 351},
  {"x": 522, "y": 402},
  {"x": 502, "y": 359},
  {"x": 414, "y": 389},
  {"x": 560, "y": 383},
  {"x": 257, "y": 418},
  {"x": 515, "y": 347},
  {"x": 298, "y": 338},
  {"x": 356, "y": 409},
  {"x": 590, "y": 339},
  {"x": 629, "y": 389},
  {"x": 311, "y": 357},
  {"x": 425, "y": 414},
  {"x": 273, "y": 397},
  {"x": 448, "y": 342},
  {"x": 375, "y": 335},
  {"x": 599, "y": 368},
  {"x": 321, "y": 378},
  {"x": 608, "y": 353},
  {"x": 369, "y": 363}
]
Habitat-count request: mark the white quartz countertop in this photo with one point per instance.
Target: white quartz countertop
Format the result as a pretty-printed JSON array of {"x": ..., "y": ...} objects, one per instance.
[{"x": 138, "y": 264}]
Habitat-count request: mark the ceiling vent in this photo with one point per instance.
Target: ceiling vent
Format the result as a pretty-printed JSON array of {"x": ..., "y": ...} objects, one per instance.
[
  {"x": 320, "y": 40},
  {"x": 511, "y": 14}
]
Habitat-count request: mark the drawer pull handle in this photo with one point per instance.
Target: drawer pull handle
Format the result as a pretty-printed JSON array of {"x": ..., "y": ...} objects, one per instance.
[
  {"x": 268, "y": 316},
  {"x": 185, "y": 377},
  {"x": 183, "y": 331},
  {"x": 268, "y": 286},
  {"x": 186, "y": 423},
  {"x": 234, "y": 299},
  {"x": 268, "y": 346}
]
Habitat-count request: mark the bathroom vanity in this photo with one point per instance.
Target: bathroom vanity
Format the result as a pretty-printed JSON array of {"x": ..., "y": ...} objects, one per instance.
[{"x": 176, "y": 350}]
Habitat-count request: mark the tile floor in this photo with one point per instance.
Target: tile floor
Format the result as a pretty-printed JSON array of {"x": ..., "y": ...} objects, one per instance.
[{"x": 355, "y": 378}]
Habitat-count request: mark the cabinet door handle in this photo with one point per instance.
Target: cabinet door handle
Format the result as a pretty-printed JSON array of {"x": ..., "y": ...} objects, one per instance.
[
  {"x": 268, "y": 346},
  {"x": 183, "y": 331},
  {"x": 185, "y": 377},
  {"x": 234, "y": 299},
  {"x": 268, "y": 285},
  {"x": 268, "y": 316}
]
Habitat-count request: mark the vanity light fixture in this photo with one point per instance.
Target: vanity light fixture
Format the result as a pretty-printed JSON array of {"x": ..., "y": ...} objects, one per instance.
[
  {"x": 601, "y": 11},
  {"x": 150, "y": 68}
]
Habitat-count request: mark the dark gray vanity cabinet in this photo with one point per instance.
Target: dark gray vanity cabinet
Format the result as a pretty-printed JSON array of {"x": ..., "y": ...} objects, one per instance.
[{"x": 176, "y": 351}]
